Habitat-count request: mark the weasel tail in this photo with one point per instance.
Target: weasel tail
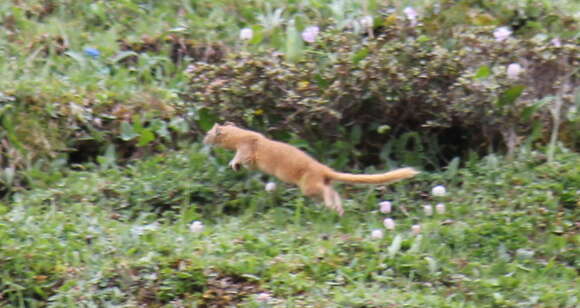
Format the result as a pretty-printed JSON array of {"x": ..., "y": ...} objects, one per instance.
[{"x": 381, "y": 178}]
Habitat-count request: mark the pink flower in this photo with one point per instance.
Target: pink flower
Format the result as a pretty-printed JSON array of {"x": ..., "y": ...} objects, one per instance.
[
  {"x": 190, "y": 69},
  {"x": 389, "y": 224},
  {"x": 386, "y": 207},
  {"x": 514, "y": 70},
  {"x": 367, "y": 21},
  {"x": 502, "y": 33},
  {"x": 377, "y": 234},
  {"x": 556, "y": 42},
  {"x": 310, "y": 33},
  {"x": 440, "y": 208},
  {"x": 416, "y": 229},
  {"x": 411, "y": 15},
  {"x": 246, "y": 34},
  {"x": 263, "y": 297}
]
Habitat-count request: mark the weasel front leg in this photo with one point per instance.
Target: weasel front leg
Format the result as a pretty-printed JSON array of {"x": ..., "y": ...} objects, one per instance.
[{"x": 244, "y": 156}]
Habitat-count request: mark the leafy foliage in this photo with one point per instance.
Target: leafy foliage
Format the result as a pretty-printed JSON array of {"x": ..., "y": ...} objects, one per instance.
[{"x": 403, "y": 80}]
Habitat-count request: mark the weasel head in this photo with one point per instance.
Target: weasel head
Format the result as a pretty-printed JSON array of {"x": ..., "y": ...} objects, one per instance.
[
  {"x": 216, "y": 133},
  {"x": 213, "y": 134}
]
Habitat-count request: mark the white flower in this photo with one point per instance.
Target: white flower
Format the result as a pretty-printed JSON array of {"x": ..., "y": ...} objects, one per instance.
[
  {"x": 271, "y": 186},
  {"x": 439, "y": 191},
  {"x": 556, "y": 42},
  {"x": 385, "y": 206},
  {"x": 367, "y": 21},
  {"x": 377, "y": 234},
  {"x": 428, "y": 209},
  {"x": 440, "y": 208},
  {"x": 411, "y": 15},
  {"x": 389, "y": 224},
  {"x": 263, "y": 297},
  {"x": 416, "y": 229},
  {"x": 501, "y": 34},
  {"x": 514, "y": 70},
  {"x": 196, "y": 227},
  {"x": 246, "y": 34},
  {"x": 310, "y": 33}
]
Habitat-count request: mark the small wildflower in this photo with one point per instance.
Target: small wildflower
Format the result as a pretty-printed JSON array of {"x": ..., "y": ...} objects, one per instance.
[
  {"x": 196, "y": 227},
  {"x": 411, "y": 15},
  {"x": 310, "y": 33},
  {"x": 428, "y": 209},
  {"x": 271, "y": 186},
  {"x": 190, "y": 69},
  {"x": 385, "y": 207},
  {"x": 389, "y": 224},
  {"x": 367, "y": 21},
  {"x": 502, "y": 33},
  {"x": 377, "y": 234},
  {"x": 416, "y": 229},
  {"x": 439, "y": 191},
  {"x": 263, "y": 297},
  {"x": 92, "y": 52},
  {"x": 556, "y": 42},
  {"x": 514, "y": 70},
  {"x": 246, "y": 34},
  {"x": 440, "y": 208}
]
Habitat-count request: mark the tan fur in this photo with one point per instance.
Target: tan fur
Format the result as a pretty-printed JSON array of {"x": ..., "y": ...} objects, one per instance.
[{"x": 290, "y": 164}]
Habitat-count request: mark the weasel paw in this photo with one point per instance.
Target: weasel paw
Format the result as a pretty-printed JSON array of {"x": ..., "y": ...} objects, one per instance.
[{"x": 234, "y": 165}]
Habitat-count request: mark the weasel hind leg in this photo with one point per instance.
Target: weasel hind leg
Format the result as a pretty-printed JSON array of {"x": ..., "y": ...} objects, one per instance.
[
  {"x": 332, "y": 200},
  {"x": 326, "y": 193}
]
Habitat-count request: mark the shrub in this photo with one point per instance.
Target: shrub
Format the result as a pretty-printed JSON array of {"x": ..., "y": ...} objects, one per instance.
[{"x": 450, "y": 85}]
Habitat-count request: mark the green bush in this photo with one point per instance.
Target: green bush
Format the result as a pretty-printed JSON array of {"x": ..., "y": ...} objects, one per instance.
[{"x": 449, "y": 86}]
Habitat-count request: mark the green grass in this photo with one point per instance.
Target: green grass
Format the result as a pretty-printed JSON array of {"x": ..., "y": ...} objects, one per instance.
[
  {"x": 120, "y": 237},
  {"x": 104, "y": 235}
]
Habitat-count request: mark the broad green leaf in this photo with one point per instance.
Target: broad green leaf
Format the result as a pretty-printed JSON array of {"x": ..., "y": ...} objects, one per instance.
[
  {"x": 146, "y": 137},
  {"x": 423, "y": 39},
  {"x": 160, "y": 128},
  {"x": 123, "y": 55},
  {"x": 137, "y": 125},
  {"x": 179, "y": 125},
  {"x": 453, "y": 167},
  {"x": 258, "y": 35},
  {"x": 206, "y": 119},
  {"x": 320, "y": 81},
  {"x": 360, "y": 55},
  {"x": 433, "y": 266},
  {"x": 294, "y": 43},
  {"x": 395, "y": 246},
  {"x": 510, "y": 95},
  {"x": 127, "y": 131},
  {"x": 482, "y": 72},
  {"x": 77, "y": 57},
  {"x": 529, "y": 111},
  {"x": 355, "y": 134},
  {"x": 108, "y": 160}
]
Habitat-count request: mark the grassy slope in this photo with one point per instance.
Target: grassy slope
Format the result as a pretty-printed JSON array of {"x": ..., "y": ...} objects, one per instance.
[{"x": 120, "y": 237}]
